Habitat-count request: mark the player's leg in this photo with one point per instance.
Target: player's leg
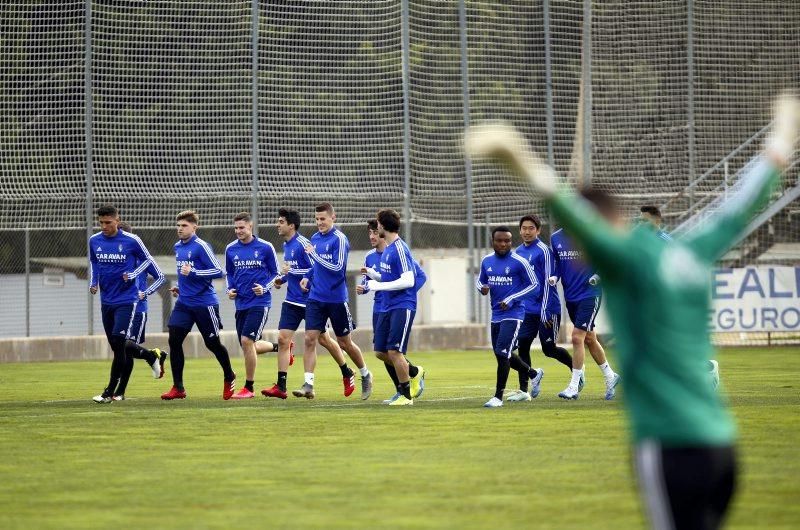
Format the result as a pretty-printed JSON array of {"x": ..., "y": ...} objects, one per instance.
[
  {"x": 316, "y": 317},
  {"x": 500, "y": 346},
  {"x": 588, "y": 313},
  {"x": 177, "y": 334},
  {"x": 209, "y": 324},
  {"x": 548, "y": 336},
  {"x": 116, "y": 328},
  {"x": 155, "y": 357},
  {"x": 342, "y": 324},
  {"x": 249, "y": 331},
  {"x": 400, "y": 322},
  {"x": 291, "y": 316},
  {"x": 578, "y": 351},
  {"x": 527, "y": 334}
]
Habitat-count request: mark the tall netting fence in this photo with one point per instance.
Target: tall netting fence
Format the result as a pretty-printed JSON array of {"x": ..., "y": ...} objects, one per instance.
[{"x": 220, "y": 107}]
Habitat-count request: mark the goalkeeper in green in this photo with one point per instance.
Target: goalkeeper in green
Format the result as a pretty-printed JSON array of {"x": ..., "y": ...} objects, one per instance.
[{"x": 658, "y": 296}]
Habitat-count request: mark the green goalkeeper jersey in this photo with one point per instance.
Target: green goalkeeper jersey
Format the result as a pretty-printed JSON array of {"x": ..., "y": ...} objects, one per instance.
[{"x": 658, "y": 299}]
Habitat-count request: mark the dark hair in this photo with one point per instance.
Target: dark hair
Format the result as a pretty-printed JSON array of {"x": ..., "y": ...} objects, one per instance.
[
  {"x": 242, "y": 216},
  {"x": 500, "y": 229},
  {"x": 292, "y": 217},
  {"x": 655, "y": 211},
  {"x": 389, "y": 220},
  {"x": 372, "y": 224},
  {"x": 188, "y": 215},
  {"x": 107, "y": 210},
  {"x": 324, "y": 207},
  {"x": 602, "y": 200},
  {"x": 532, "y": 218},
  {"x": 125, "y": 226}
]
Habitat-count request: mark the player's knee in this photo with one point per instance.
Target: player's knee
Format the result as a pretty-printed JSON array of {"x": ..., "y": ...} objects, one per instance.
[
  {"x": 213, "y": 343},
  {"x": 382, "y": 355},
  {"x": 343, "y": 342},
  {"x": 246, "y": 342},
  {"x": 284, "y": 341},
  {"x": 549, "y": 349},
  {"x": 117, "y": 344}
]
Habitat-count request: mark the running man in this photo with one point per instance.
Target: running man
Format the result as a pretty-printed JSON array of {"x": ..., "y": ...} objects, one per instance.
[
  {"x": 197, "y": 304},
  {"x": 116, "y": 259},
  {"x": 683, "y": 434},
  {"x": 327, "y": 300},
  {"x": 251, "y": 269},
  {"x": 507, "y": 278}
]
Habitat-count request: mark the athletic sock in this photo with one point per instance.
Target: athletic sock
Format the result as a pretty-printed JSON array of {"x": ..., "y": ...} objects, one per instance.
[
  {"x": 364, "y": 371},
  {"x": 393, "y": 374},
  {"x": 308, "y": 378},
  {"x": 282, "y": 381},
  {"x": 608, "y": 373},
  {"x": 346, "y": 371},
  {"x": 405, "y": 389},
  {"x": 576, "y": 377},
  {"x": 248, "y": 384},
  {"x": 413, "y": 371},
  {"x": 274, "y": 347},
  {"x": 524, "y": 354}
]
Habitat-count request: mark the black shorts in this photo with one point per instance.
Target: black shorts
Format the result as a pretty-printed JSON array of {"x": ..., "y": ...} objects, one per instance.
[{"x": 685, "y": 488}]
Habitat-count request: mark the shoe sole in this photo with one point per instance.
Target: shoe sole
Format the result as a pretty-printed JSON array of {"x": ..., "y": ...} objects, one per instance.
[
  {"x": 172, "y": 398},
  {"x": 265, "y": 394},
  {"x": 306, "y": 395},
  {"x": 569, "y": 398}
]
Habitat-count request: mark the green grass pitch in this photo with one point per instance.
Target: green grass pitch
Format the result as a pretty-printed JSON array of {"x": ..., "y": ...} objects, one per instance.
[{"x": 341, "y": 463}]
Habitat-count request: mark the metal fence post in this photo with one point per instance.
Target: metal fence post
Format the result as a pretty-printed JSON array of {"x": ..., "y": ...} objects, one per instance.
[
  {"x": 254, "y": 155},
  {"x": 690, "y": 94},
  {"x": 548, "y": 86},
  {"x": 462, "y": 24},
  {"x": 586, "y": 75},
  {"x": 87, "y": 125},
  {"x": 405, "y": 54},
  {"x": 27, "y": 281}
]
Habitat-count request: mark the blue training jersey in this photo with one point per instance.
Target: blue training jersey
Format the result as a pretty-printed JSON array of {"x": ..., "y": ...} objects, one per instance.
[
  {"x": 419, "y": 277},
  {"x": 509, "y": 278},
  {"x": 571, "y": 269},
  {"x": 373, "y": 261},
  {"x": 141, "y": 283},
  {"x": 247, "y": 264},
  {"x": 329, "y": 266},
  {"x": 197, "y": 289},
  {"x": 395, "y": 260},
  {"x": 544, "y": 301},
  {"x": 109, "y": 259},
  {"x": 295, "y": 256}
]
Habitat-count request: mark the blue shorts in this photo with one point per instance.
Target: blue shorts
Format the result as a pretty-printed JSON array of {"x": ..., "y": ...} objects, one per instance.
[
  {"x": 394, "y": 328},
  {"x": 548, "y": 331},
  {"x": 118, "y": 319},
  {"x": 206, "y": 318},
  {"x": 137, "y": 328},
  {"x": 318, "y": 314},
  {"x": 532, "y": 326},
  {"x": 504, "y": 337},
  {"x": 379, "y": 330},
  {"x": 291, "y": 316},
  {"x": 250, "y": 322},
  {"x": 583, "y": 312}
]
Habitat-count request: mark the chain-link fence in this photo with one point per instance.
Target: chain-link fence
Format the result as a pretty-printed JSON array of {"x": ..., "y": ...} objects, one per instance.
[{"x": 164, "y": 105}]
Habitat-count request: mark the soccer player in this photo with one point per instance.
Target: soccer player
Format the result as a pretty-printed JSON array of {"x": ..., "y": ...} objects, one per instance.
[
  {"x": 327, "y": 300},
  {"x": 652, "y": 214},
  {"x": 506, "y": 278},
  {"x": 583, "y": 295},
  {"x": 296, "y": 264},
  {"x": 251, "y": 269},
  {"x": 396, "y": 279},
  {"x": 155, "y": 358},
  {"x": 116, "y": 259},
  {"x": 197, "y": 304},
  {"x": 542, "y": 307},
  {"x": 684, "y": 436}
]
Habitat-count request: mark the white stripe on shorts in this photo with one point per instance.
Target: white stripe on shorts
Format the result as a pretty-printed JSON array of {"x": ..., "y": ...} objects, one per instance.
[
  {"x": 263, "y": 323},
  {"x": 213, "y": 318},
  {"x": 405, "y": 331},
  {"x": 651, "y": 485}
]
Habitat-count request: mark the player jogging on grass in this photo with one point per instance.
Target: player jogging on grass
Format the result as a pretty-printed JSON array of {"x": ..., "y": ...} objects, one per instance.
[
  {"x": 116, "y": 259},
  {"x": 583, "y": 295},
  {"x": 197, "y": 304},
  {"x": 507, "y": 278},
  {"x": 251, "y": 269},
  {"x": 397, "y": 281},
  {"x": 328, "y": 250},
  {"x": 542, "y": 306},
  {"x": 155, "y": 358},
  {"x": 682, "y": 432}
]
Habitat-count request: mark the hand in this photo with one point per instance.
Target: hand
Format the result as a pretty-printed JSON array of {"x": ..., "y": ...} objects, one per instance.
[
  {"x": 304, "y": 285},
  {"x": 485, "y": 290},
  {"x": 186, "y": 269},
  {"x": 594, "y": 279},
  {"x": 364, "y": 270},
  {"x": 232, "y": 294},
  {"x": 174, "y": 291},
  {"x": 93, "y": 289},
  {"x": 309, "y": 249},
  {"x": 258, "y": 289},
  {"x": 552, "y": 280},
  {"x": 285, "y": 268},
  {"x": 548, "y": 322},
  {"x": 124, "y": 276},
  {"x": 503, "y": 305},
  {"x": 277, "y": 284},
  {"x": 361, "y": 289},
  {"x": 142, "y": 296}
]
